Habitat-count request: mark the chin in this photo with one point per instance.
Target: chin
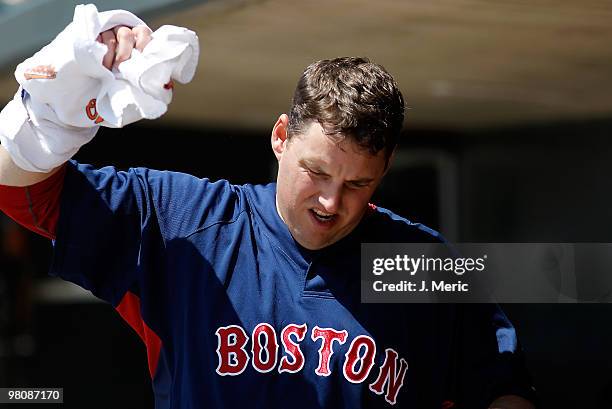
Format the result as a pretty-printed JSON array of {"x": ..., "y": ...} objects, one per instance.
[{"x": 314, "y": 244}]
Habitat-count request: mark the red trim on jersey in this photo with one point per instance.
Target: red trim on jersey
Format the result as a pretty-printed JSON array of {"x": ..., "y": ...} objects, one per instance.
[
  {"x": 129, "y": 309},
  {"x": 35, "y": 207}
]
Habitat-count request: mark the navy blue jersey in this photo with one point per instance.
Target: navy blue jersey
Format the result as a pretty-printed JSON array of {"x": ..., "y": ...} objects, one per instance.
[{"x": 236, "y": 314}]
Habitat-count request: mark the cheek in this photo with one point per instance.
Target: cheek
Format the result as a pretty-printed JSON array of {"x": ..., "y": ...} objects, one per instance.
[
  {"x": 304, "y": 188},
  {"x": 356, "y": 202},
  {"x": 287, "y": 181}
]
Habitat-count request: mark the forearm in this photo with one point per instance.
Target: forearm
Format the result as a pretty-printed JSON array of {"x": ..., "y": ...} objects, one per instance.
[{"x": 13, "y": 175}]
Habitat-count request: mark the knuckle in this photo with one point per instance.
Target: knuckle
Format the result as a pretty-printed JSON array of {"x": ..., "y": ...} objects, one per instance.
[
  {"x": 125, "y": 34},
  {"x": 141, "y": 30}
]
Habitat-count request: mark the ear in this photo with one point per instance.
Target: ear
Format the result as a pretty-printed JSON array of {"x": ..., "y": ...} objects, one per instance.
[{"x": 279, "y": 136}]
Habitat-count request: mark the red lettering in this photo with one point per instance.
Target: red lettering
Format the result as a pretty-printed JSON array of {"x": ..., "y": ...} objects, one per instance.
[
  {"x": 328, "y": 336},
  {"x": 270, "y": 347},
  {"x": 352, "y": 357},
  {"x": 388, "y": 375},
  {"x": 292, "y": 348},
  {"x": 90, "y": 109},
  {"x": 233, "y": 358},
  {"x": 92, "y": 112},
  {"x": 358, "y": 359}
]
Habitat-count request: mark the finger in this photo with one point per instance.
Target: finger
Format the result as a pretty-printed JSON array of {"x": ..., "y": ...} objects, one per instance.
[
  {"x": 108, "y": 38},
  {"x": 143, "y": 36},
  {"x": 125, "y": 44}
]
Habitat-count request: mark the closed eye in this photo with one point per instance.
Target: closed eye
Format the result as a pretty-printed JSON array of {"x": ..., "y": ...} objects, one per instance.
[
  {"x": 358, "y": 185},
  {"x": 317, "y": 173}
]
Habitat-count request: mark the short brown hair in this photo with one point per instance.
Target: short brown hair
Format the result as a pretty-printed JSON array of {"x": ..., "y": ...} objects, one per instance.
[{"x": 350, "y": 97}]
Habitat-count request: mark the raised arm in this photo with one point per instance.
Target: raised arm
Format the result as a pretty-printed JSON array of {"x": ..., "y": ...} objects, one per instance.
[
  {"x": 120, "y": 42},
  {"x": 23, "y": 197}
]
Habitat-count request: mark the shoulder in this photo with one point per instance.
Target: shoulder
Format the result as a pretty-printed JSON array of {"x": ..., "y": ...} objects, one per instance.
[
  {"x": 175, "y": 187},
  {"x": 383, "y": 225},
  {"x": 260, "y": 197},
  {"x": 182, "y": 202}
]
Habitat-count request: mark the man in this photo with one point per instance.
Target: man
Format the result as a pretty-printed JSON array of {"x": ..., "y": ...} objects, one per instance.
[{"x": 249, "y": 295}]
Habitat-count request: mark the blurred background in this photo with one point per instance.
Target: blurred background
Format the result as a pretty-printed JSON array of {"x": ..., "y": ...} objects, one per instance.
[{"x": 507, "y": 139}]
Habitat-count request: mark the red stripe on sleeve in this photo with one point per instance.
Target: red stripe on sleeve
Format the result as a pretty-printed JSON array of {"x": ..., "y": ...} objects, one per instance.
[
  {"x": 35, "y": 207},
  {"x": 129, "y": 309}
]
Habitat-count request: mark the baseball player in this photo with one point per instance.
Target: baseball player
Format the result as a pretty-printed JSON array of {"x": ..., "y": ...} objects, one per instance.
[{"x": 248, "y": 296}]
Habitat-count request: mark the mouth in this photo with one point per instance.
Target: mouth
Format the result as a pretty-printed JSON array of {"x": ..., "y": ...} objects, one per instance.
[{"x": 323, "y": 217}]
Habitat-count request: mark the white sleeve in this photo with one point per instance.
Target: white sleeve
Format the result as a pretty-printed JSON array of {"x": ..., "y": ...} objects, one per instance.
[
  {"x": 31, "y": 134},
  {"x": 66, "y": 93}
]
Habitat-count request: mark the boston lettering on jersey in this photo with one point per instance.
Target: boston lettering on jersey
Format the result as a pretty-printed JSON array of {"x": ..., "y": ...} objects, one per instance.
[{"x": 233, "y": 357}]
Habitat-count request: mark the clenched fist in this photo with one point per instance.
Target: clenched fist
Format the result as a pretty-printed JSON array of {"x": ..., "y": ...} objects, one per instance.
[{"x": 121, "y": 40}]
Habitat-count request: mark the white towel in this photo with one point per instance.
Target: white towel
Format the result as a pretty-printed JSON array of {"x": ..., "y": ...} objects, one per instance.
[{"x": 67, "y": 88}]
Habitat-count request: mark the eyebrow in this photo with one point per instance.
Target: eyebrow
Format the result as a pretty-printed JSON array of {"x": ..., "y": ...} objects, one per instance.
[{"x": 315, "y": 166}]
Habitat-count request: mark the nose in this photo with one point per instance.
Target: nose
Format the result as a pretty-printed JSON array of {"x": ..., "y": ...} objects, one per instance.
[{"x": 330, "y": 198}]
